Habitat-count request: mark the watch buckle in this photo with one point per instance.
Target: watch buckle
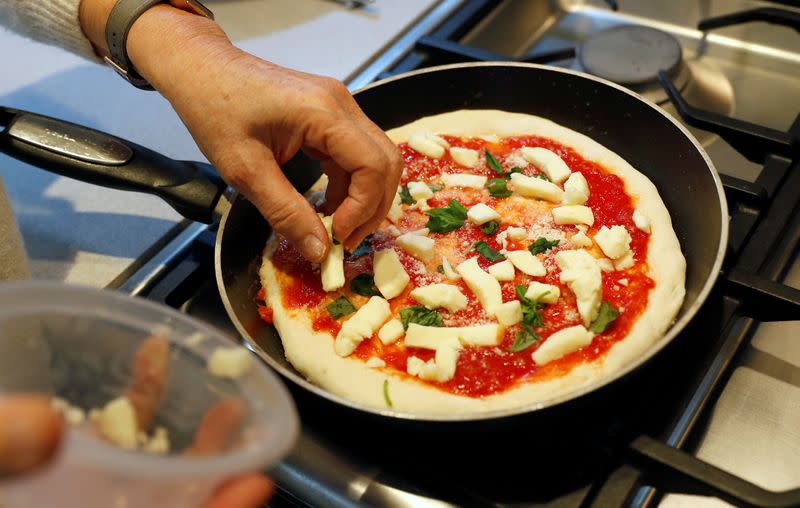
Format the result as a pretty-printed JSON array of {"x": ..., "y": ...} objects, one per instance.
[{"x": 137, "y": 81}]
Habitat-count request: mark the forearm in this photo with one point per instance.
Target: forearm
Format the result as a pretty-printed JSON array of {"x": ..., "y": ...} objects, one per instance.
[{"x": 165, "y": 44}]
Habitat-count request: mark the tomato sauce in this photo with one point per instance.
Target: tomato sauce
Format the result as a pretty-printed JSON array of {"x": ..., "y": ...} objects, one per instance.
[{"x": 483, "y": 371}]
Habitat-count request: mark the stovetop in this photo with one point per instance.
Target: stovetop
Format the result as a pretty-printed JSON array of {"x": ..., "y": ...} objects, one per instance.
[{"x": 727, "y": 391}]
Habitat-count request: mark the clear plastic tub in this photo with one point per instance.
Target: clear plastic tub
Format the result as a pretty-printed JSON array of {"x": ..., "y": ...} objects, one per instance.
[{"x": 79, "y": 344}]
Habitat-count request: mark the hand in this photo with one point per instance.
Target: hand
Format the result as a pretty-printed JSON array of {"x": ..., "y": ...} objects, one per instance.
[
  {"x": 249, "y": 117},
  {"x": 30, "y": 429}
]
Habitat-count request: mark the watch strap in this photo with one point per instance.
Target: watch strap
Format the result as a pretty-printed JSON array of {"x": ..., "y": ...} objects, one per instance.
[{"x": 122, "y": 17}]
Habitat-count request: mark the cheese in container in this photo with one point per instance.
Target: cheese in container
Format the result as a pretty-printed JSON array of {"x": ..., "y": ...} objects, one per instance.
[{"x": 158, "y": 409}]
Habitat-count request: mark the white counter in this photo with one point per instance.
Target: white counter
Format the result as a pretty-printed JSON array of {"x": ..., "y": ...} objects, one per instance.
[{"x": 88, "y": 235}]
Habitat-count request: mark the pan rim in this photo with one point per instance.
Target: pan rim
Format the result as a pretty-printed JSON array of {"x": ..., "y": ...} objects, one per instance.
[{"x": 577, "y": 393}]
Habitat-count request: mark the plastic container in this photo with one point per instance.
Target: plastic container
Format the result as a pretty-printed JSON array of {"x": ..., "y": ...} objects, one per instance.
[{"x": 79, "y": 344}]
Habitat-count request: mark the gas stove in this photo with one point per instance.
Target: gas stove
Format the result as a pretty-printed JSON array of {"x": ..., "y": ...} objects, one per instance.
[{"x": 716, "y": 418}]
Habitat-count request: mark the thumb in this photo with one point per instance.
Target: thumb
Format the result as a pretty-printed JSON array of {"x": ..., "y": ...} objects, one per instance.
[
  {"x": 30, "y": 430},
  {"x": 261, "y": 180}
]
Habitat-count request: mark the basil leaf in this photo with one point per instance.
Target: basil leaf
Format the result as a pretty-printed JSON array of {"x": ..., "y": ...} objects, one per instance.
[
  {"x": 340, "y": 307},
  {"x": 497, "y": 188},
  {"x": 541, "y": 245},
  {"x": 490, "y": 227},
  {"x": 516, "y": 169},
  {"x": 531, "y": 314},
  {"x": 364, "y": 284},
  {"x": 488, "y": 252},
  {"x": 420, "y": 315},
  {"x": 440, "y": 268},
  {"x": 444, "y": 220},
  {"x": 405, "y": 196},
  {"x": 605, "y": 317},
  {"x": 386, "y": 393},
  {"x": 493, "y": 164},
  {"x": 541, "y": 176},
  {"x": 434, "y": 187},
  {"x": 458, "y": 208},
  {"x": 524, "y": 339}
]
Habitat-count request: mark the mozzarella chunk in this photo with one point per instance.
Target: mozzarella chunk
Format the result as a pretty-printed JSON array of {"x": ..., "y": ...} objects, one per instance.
[
  {"x": 548, "y": 163},
  {"x": 159, "y": 443},
  {"x": 581, "y": 240},
  {"x": 390, "y": 276},
  {"x": 580, "y": 272},
  {"x": 375, "y": 363},
  {"x": 230, "y": 362},
  {"x": 440, "y": 295},
  {"x": 448, "y": 270},
  {"x": 481, "y": 214},
  {"x": 605, "y": 264},
  {"x": 392, "y": 230},
  {"x": 576, "y": 190},
  {"x": 464, "y": 180},
  {"x": 416, "y": 245},
  {"x": 509, "y": 313},
  {"x": 361, "y": 325},
  {"x": 544, "y": 293},
  {"x": 573, "y": 214},
  {"x": 419, "y": 190},
  {"x": 641, "y": 220},
  {"x": 332, "y": 267},
  {"x": 117, "y": 423},
  {"x": 434, "y": 337},
  {"x": 517, "y": 234},
  {"x": 622, "y": 282},
  {"x": 503, "y": 270},
  {"x": 491, "y": 138},
  {"x": 464, "y": 156},
  {"x": 531, "y": 187},
  {"x": 414, "y": 365},
  {"x": 625, "y": 261},
  {"x": 438, "y": 140},
  {"x": 561, "y": 343},
  {"x": 391, "y": 331},
  {"x": 446, "y": 360},
  {"x": 422, "y": 143},
  {"x": 396, "y": 210},
  {"x": 526, "y": 262},
  {"x": 502, "y": 239},
  {"x": 420, "y": 232},
  {"x": 614, "y": 241},
  {"x": 485, "y": 287}
]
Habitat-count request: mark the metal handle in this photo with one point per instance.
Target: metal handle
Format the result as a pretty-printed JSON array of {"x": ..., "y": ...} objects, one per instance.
[{"x": 191, "y": 188}]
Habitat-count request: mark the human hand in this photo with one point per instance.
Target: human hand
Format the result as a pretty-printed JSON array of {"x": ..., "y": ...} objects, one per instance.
[
  {"x": 31, "y": 429},
  {"x": 249, "y": 117}
]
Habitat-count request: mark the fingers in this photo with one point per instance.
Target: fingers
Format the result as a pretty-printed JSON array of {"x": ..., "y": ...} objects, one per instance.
[
  {"x": 358, "y": 155},
  {"x": 246, "y": 491},
  {"x": 257, "y": 175},
  {"x": 149, "y": 379},
  {"x": 30, "y": 430},
  {"x": 218, "y": 427}
]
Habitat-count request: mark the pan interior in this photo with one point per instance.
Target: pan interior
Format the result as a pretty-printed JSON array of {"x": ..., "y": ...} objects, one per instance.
[{"x": 638, "y": 131}]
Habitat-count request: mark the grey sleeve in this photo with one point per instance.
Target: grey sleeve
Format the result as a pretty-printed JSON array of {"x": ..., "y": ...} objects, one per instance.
[{"x": 53, "y": 22}]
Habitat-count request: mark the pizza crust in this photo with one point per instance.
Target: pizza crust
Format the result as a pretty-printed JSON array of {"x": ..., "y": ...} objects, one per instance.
[{"x": 312, "y": 354}]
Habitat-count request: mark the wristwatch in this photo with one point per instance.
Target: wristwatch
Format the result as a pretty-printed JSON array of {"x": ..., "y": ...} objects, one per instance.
[{"x": 122, "y": 16}]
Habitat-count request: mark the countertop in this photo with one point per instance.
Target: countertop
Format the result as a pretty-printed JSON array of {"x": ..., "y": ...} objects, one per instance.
[{"x": 89, "y": 235}]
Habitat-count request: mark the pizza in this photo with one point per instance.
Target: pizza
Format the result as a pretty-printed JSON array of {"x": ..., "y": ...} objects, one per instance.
[{"x": 520, "y": 261}]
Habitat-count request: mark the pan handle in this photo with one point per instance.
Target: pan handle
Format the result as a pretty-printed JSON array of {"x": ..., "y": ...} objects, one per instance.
[{"x": 74, "y": 151}]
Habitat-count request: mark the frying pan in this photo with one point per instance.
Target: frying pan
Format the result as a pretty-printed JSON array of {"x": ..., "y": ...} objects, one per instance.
[{"x": 639, "y": 131}]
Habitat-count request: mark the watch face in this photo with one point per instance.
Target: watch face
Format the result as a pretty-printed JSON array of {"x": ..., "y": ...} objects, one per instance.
[{"x": 192, "y": 6}]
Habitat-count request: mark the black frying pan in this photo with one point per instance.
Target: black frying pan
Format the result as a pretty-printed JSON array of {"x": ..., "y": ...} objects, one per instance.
[{"x": 642, "y": 133}]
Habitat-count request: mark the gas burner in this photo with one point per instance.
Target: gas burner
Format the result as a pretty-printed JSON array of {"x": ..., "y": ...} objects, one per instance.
[{"x": 632, "y": 56}]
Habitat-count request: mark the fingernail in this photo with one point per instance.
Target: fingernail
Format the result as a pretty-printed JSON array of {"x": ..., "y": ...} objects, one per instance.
[{"x": 313, "y": 248}]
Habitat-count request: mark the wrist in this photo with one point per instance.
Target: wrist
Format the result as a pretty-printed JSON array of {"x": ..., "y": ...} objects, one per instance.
[{"x": 165, "y": 44}]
